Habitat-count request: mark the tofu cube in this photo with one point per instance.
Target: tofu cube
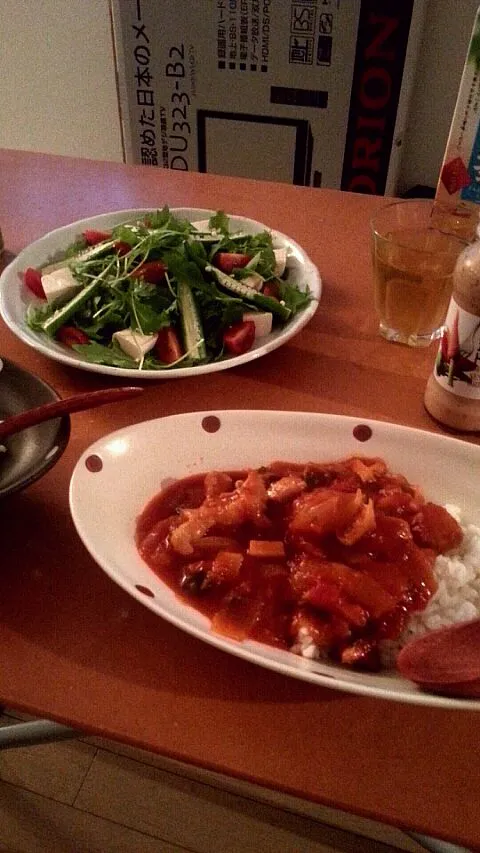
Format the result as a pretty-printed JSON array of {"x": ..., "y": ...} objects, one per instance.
[
  {"x": 134, "y": 344},
  {"x": 59, "y": 285},
  {"x": 202, "y": 225},
  {"x": 262, "y": 320},
  {"x": 280, "y": 261},
  {"x": 254, "y": 280}
]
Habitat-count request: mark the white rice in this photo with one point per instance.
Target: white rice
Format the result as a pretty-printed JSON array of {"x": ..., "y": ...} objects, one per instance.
[
  {"x": 457, "y": 598},
  {"x": 305, "y": 646}
]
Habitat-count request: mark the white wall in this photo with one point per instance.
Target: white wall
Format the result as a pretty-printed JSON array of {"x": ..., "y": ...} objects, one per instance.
[
  {"x": 57, "y": 81},
  {"x": 58, "y": 92}
]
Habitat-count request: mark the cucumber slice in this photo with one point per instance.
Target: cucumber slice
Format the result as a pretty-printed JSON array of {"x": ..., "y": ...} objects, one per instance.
[
  {"x": 193, "y": 339},
  {"x": 53, "y": 323},
  {"x": 250, "y": 295},
  {"x": 88, "y": 254}
]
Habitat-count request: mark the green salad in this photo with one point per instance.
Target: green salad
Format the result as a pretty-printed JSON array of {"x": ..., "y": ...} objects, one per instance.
[{"x": 162, "y": 292}]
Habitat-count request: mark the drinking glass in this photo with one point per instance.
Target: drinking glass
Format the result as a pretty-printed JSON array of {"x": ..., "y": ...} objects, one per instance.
[{"x": 413, "y": 263}]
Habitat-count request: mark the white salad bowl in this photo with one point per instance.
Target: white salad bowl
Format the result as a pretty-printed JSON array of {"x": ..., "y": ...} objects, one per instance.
[{"x": 15, "y": 297}]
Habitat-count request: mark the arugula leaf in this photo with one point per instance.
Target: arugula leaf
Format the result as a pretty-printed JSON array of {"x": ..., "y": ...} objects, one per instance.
[
  {"x": 264, "y": 261},
  {"x": 154, "y": 233},
  {"x": 159, "y": 219},
  {"x": 164, "y": 220},
  {"x": 195, "y": 251},
  {"x": 293, "y": 298},
  {"x": 75, "y": 248},
  {"x": 262, "y": 240},
  {"x": 219, "y": 222},
  {"x": 182, "y": 268},
  {"x": 150, "y": 363},
  {"x": 36, "y": 315},
  {"x": 129, "y": 234},
  {"x": 157, "y": 295},
  {"x": 151, "y": 307},
  {"x": 148, "y": 320},
  {"x": 162, "y": 240},
  {"x": 258, "y": 246},
  {"x": 105, "y": 312},
  {"x": 217, "y": 314},
  {"x": 103, "y": 328},
  {"x": 183, "y": 226},
  {"x": 111, "y": 355}
]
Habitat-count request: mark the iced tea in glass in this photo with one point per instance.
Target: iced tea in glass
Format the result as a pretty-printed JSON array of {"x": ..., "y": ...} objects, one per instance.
[{"x": 413, "y": 262}]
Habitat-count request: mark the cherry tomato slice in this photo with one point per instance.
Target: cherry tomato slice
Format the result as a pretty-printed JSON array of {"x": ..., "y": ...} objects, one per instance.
[
  {"x": 93, "y": 237},
  {"x": 121, "y": 247},
  {"x": 272, "y": 289},
  {"x": 168, "y": 347},
  {"x": 239, "y": 338},
  {"x": 70, "y": 335},
  {"x": 228, "y": 261},
  {"x": 33, "y": 280},
  {"x": 151, "y": 271}
]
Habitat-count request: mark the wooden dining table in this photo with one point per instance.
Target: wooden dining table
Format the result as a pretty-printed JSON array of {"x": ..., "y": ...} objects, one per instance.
[{"x": 76, "y": 649}]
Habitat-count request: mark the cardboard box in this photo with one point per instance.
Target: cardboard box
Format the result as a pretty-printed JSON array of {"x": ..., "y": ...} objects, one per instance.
[{"x": 311, "y": 93}]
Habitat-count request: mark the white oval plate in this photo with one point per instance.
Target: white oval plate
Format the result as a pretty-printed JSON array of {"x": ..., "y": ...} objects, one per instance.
[
  {"x": 136, "y": 460},
  {"x": 14, "y": 296}
]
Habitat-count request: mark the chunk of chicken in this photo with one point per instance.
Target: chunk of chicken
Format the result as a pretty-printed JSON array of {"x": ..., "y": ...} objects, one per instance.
[
  {"x": 362, "y": 654},
  {"x": 395, "y": 501},
  {"x": 434, "y": 527},
  {"x": 226, "y": 566},
  {"x": 324, "y": 511},
  {"x": 286, "y": 488},
  {"x": 217, "y": 482},
  {"x": 309, "y": 574},
  {"x": 367, "y": 470},
  {"x": 363, "y": 522},
  {"x": 230, "y": 509},
  {"x": 329, "y": 597}
]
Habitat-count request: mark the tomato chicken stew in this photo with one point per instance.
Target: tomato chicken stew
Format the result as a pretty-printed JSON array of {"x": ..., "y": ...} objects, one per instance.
[{"x": 341, "y": 552}]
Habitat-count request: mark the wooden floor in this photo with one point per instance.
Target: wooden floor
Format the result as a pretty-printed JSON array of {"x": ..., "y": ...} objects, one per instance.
[{"x": 94, "y": 796}]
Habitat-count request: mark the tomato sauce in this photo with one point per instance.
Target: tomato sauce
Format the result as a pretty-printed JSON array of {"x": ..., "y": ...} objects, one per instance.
[
  {"x": 344, "y": 551},
  {"x": 264, "y": 613}
]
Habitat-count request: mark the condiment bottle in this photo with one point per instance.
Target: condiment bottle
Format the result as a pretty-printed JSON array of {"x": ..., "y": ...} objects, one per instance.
[{"x": 452, "y": 396}]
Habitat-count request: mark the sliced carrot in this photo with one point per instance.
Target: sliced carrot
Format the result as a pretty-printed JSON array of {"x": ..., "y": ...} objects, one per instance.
[{"x": 266, "y": 548}]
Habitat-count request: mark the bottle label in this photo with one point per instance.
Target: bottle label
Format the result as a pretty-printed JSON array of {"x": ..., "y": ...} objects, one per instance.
[{"x": 457, "y": 366}]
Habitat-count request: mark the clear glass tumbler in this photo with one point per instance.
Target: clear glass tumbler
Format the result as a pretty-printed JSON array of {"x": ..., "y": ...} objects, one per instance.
[{"x": 413, "y": 263}]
